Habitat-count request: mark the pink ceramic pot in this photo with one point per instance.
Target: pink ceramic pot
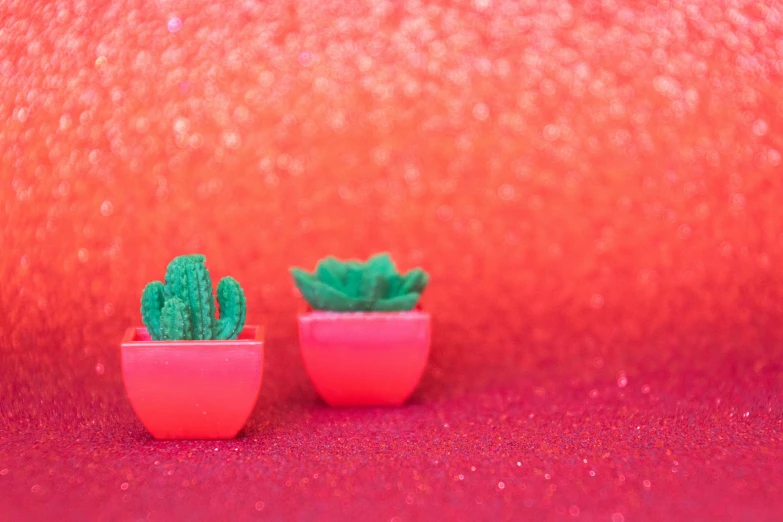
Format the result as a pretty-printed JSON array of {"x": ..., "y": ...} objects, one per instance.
[
  {"x": 193, "y": 389},
  {"x": 364, "y": 358}
]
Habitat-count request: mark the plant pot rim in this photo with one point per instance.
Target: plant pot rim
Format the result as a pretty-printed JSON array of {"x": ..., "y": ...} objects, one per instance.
[
  {"x": 138, "y": 337},
  {"x": 306, "y": 312}
]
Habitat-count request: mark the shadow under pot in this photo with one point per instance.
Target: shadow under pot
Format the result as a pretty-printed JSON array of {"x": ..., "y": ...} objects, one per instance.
[
  {"x": 193, "y": 389},
  {"x": 364, "y": 358}
]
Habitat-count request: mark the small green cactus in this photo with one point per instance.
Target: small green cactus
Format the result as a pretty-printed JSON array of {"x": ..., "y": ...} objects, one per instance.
[
  {"x": 183, "y": 308},
  {"x": 352, "y": 286}
]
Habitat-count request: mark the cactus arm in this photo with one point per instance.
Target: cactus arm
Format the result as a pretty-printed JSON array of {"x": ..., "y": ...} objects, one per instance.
[
  {"x": 174, "y": 281},
  {"x": 189, "y": 259},
  {"x": 201, "y": 301},
  {"x": 233, "y": 309},
  {"x": 152, "y": 302},
  {"x": 188, "y": 279},
  {"x": 175, "y": 320}
]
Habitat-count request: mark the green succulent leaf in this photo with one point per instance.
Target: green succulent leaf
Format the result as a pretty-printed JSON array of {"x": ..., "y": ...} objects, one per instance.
[
  {"x": 394, "y": 284},
  {"x": 399, "y": 303},
  {"x": 382, "y": 264},
  {"x": 320, "y": 296},
  {"x": 354, "y": 273},
  {"x": 355, "y": 304},
  {"x": 331, "y": 272},
  {"x": 375, "y": 285},
  {"x": 414, "y": 281},
  {"x": 302, "y": 278}
]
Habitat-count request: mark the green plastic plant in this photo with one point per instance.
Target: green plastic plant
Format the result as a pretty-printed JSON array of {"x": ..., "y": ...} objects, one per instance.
[
  {"x": 353, "y": 286},
  {"x": 184, "y": 308}
]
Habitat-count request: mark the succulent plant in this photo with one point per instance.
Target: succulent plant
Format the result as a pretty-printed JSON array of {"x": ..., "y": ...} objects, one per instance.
[
  {"x": 353, "y": 286},
  {"x": 183, "y": 307}
]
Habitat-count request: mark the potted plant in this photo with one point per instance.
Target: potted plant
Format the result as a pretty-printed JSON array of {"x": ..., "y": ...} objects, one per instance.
[
  {"x": 363, "y": 339},
  {"x": 190, "y": 374}
]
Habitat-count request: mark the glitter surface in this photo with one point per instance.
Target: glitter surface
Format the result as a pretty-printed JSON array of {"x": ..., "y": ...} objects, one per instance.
[{"x": 594, "y": 188}]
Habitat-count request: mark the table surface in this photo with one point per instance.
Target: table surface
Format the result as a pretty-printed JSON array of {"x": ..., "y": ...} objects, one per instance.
[{"x": 692, "y": 441}]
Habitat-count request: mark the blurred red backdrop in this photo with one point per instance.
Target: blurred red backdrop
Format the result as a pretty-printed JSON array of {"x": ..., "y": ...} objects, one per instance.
[{"x": 595, "y": 189}]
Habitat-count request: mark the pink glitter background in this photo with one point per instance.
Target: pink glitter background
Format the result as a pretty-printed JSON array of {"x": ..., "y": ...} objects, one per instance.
[{"x": 596, "y": 189}]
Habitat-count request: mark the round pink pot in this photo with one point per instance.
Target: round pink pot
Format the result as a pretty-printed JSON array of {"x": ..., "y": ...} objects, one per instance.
[
  {"x": 364, "y": 358},
  {"x": 193, "y": 389}
]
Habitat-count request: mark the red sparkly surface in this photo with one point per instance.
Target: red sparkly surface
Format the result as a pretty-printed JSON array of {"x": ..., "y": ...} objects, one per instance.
[{"x": 595, "y": 189}]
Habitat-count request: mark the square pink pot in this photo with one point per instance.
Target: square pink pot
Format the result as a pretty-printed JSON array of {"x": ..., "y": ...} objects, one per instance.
[
  {"x": 193, "y": 389},
  {"x": 364, "y": 358}
]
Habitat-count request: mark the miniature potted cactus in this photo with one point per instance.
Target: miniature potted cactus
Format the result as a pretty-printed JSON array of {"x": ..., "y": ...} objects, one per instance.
[
  {"x": 363, "y": 339},
  {"x": 190, "y": 374}
]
